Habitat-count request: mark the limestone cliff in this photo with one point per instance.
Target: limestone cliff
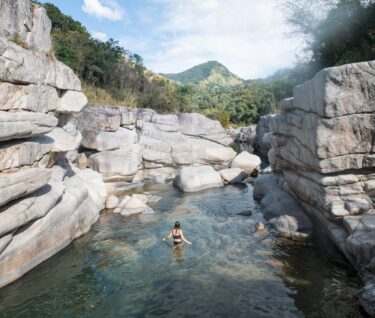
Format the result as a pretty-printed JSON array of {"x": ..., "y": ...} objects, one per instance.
[
  {"x": 44, "y": 205},
  {"x": 323, "y": 151}
]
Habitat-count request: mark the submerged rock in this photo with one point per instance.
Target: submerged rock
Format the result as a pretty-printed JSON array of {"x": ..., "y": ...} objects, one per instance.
[{"x": 233, "y": 175}]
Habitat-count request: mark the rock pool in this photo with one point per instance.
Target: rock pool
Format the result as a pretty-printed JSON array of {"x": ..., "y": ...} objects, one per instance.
[{"x": 122, "y": 268}]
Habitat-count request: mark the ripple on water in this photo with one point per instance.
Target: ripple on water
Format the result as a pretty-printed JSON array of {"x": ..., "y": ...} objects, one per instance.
[{"x": 122, "y": 268}]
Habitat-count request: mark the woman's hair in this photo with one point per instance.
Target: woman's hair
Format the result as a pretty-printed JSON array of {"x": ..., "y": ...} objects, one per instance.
[{"x": 177, "y": 225}]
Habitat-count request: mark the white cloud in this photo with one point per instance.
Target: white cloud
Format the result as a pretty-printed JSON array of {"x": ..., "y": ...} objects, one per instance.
[
  {"x": 101, "y": 36},
  {"x": 248, "y": 36},
  {"x": 109, "y": 10}
]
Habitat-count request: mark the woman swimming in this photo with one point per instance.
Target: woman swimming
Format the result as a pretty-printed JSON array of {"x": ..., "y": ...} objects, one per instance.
[{"x": 177, "y": 235}]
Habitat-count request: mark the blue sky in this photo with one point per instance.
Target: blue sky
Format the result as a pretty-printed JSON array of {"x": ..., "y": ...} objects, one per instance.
[{"x": 247, "y": 36}]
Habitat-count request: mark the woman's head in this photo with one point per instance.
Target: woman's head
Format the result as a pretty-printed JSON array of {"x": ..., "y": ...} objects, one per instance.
[{"x": 177, "y": 225}]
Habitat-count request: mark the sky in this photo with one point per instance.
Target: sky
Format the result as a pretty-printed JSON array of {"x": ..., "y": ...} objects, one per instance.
[{"x": 250, "y": 37}]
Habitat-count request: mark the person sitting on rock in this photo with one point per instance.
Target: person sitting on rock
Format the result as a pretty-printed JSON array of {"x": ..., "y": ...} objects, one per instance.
[{"x": 178, "y": 236}]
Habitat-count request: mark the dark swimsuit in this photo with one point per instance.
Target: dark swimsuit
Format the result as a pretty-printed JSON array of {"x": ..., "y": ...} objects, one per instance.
[{"x": 175, "y": 238}]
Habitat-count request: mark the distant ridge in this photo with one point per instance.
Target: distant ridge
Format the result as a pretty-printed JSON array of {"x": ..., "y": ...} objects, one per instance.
[{"x": 211, "y": 73}]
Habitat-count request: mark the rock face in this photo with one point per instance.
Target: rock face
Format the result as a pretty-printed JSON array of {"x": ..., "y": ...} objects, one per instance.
[
  {"x": 44, "y": 203},
  {"x": 129, "y": 140},
  {"x": 322, "y": 143},
  {"x": 197, "y": 178}
]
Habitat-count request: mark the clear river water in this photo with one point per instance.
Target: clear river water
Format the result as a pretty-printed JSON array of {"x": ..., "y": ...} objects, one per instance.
[{"x": 122, "y": 268}]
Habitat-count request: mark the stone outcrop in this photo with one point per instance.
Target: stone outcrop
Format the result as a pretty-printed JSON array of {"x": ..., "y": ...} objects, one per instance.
[
  {"x": 197, "y": 178},
  {"x": 323, "y": 145},
  {"x": 140, "y": 142},
  {"x": 44, "y": 203}
]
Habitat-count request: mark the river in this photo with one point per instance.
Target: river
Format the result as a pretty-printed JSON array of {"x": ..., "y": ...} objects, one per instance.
[{"x": 122, "y": 268}]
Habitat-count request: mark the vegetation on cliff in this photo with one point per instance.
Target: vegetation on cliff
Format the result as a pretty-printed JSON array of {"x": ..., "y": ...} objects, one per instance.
[{"x": 113, "y": 75}]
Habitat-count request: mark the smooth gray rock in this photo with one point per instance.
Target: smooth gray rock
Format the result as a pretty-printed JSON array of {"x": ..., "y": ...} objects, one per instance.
[
  {"x": 201, "y": 151},
  {"x": 64, "y": 141},
  {"x": 96, "y": 119},
  {"x": 233, "y": 175},
  {"x": 160, "y": 175},
  {"x": 71, "y": 101},
  {"x": 19, "y": 65},
  {"x": 15, "y": 154},
  {"x": 117, "y": 162},
  {"x": 337, "y": 91},
  {"x": 246, "y": 161},
  {"x": 29, "y": 208},
  {"x": 16, "y": 18},
  {"x": 36, "y": 98},
  {"x": 112, "y": 202},
  {"x": 197, "y": 178},
  {"x": 24, "y": 124},
  {"x": 39, "y": 38},
  {"x": 5, "y": 241},
  {"x": 197, "y": 125},
  {"x": 107, "y": 140},
  {"x": 21, "y": 183},
  {"x": 69, "y": 219}
]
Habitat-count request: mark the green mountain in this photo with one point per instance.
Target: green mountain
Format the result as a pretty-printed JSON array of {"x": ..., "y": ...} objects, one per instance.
[{"x": 211, "y": 73}]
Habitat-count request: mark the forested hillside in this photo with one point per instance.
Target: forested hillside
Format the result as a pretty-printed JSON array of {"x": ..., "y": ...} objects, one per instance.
[
  {"x": 211, "y": 73},
  {"x": 113, "y": 75}
]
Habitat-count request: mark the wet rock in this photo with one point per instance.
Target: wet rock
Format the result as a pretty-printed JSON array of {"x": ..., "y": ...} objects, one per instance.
[
  {"x": 245, "y": 213},
  {"x": 197, "y": 178},
  {"x": 160, "y": 175},
  {"x": 233, "y": 175},
  {"x": 132, "y": 205}
]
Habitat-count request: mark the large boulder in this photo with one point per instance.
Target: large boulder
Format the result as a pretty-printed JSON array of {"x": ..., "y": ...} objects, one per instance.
[
  {"x": 108, "y": 140},
  {"x": 71, "y": 101},
  {"x": 197, "y": 178},
  {"x": 246, "y": 161},
  {"x": 117, "y": 162},
  {"x": 197, "y": 125}
]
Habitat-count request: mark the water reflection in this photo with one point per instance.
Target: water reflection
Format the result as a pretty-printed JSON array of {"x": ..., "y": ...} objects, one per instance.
[{"x": 122, "y": 268}]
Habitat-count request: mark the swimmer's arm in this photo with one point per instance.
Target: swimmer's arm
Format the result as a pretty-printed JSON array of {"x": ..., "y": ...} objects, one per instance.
[
  {"x": 168, "y": 237},
  {"x": 184, "y": 239}
]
